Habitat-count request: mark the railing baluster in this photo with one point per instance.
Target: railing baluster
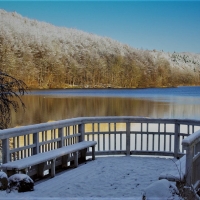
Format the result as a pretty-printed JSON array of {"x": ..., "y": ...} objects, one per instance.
[
  {"x": 22, "y": 154},
  {"x": 98, "y": 137},
  {"x": 115, "y": 140},
  {"x": 29, "y": 150},
  {"x": 170, "y": 143},
  {"x": 147, "y": 136},
  {"x": 103, "y": 142},
  {"x": 74, "y": 131},
  {"x": 49, "y": 146},
  {"x": 5, "y": 151},
  {"x": 68, "y": 133},
  {"x": 54, "y": 143},
  {"x": 18, "y": 141},
  {"x": 43, "y": 139},
  {"x": 182, "y": 150},
  {"x": 93, "y": 124},
  {"x": 109, "y": 138},
  {"x": 128, "y": 148},
  {"x": 87, "y": 137},
  {"x": 71, "y": 133},
  {"x": 36, "y": 149},
  {"x": 165, "y": 137},
  {"x": 81, "y": 130},
  {"x": 24, "y": 141},
  {"x": 18, "y": 145},
  {"x": 176, "y": 139},
  {"x": 120, "y": 141},
  {"x": 61, "y": 136},
  {"x": 188, "y": 129},
  {"x": 45, "y": 133},
  {"x": 158, "y": 136},
  {"x": 135, "y": 140},
  {"x": 141, "y": 137},
  {"x": 27, "y": 143},
  {"x": 14, "y": 147},
  {"x": 153, "y": 142}
]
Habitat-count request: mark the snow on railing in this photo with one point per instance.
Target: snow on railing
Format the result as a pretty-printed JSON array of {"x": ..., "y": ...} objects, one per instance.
[
  {"x": 114, "y": 135},
  {"x": 192, "y": 146}
]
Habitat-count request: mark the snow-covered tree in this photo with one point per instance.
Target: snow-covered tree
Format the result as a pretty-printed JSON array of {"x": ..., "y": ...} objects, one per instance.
[{"x": 46, "y": 56}]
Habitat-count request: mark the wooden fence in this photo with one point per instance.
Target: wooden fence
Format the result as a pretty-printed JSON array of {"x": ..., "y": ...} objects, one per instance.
[
  {"x": 114, "y": 135},
  {"x": 192, "y": 146}
]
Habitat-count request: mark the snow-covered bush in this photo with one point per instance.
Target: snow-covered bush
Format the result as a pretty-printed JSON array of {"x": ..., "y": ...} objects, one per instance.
[
  {"x": 161, "y": 189},
  {"x": 20, "y": 182},
  {"x": 3, "y": 181}
]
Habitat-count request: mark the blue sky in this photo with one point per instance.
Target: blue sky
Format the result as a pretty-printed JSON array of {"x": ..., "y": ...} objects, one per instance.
[{"x": 162, "y": 25}]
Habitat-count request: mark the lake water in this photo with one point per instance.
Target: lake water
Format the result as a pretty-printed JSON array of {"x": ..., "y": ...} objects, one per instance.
[{"x": 50, "y": 105}]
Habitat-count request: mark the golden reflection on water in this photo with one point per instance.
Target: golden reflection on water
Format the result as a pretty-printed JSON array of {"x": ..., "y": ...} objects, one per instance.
[{"x": 40, "y": 109}]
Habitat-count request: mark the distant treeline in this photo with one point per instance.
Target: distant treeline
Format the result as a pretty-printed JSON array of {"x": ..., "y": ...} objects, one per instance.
[
  {"x": 46, "y": 56},
  {"x": 41, "y": 68}
]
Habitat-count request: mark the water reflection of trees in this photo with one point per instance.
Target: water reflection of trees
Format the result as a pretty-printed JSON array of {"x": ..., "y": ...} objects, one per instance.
[{"x": 40, "y": 109}]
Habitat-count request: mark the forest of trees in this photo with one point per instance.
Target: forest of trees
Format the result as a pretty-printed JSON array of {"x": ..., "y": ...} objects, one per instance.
[
  {"x": 42, "y": 70},
  {"x": 44, "y": 56}
]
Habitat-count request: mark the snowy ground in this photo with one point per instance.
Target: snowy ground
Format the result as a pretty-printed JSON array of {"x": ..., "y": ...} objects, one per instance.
[{"x": 119, "y": 177}]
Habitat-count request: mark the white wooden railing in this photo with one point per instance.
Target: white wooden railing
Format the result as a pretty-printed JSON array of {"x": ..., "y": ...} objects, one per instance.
[
  {"x": 192, "y": 146},
  {"x": 114, "y": 135}
]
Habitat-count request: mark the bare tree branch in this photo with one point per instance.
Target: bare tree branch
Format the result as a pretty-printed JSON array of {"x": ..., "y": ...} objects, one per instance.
[{"x": 11, "y": 91}]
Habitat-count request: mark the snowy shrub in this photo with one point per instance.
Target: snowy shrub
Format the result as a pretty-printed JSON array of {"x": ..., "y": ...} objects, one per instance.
[
  {"x": 161, "y": 189},
  {"x": 3, "y": 181},
  {"x": 20, "y": 182}
]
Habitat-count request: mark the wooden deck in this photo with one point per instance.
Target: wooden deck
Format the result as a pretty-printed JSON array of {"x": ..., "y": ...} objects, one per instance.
[{"x": 122, "y": 177}]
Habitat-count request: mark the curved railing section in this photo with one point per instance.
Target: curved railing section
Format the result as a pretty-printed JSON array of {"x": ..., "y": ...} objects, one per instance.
[
  {"x": 192, "y": 146},
  {"x": 114, "y": 135}
]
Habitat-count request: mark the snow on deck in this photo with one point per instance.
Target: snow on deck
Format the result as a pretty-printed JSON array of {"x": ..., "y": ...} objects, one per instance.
[{"x": 116, "y": 177}]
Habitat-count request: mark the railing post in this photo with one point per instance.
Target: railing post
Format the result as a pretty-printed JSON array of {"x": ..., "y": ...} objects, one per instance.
[
  {"x": 189, "y": 163},
  {"x": 176, "y": 140},
  {"x": 128, "y": 138},
  {"x": 60, "y": 135},
  {"x": 5, "y": 150},
  {"x": 81, "y": 130},
  {"x": 36, "y": 149}
]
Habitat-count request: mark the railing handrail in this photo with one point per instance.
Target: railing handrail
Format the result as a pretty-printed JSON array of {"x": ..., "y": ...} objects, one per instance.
[
  {"x": 23, "y": 130},
  {"x": 191, "y": 140},
  {"x": 78, "y": 125}
]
